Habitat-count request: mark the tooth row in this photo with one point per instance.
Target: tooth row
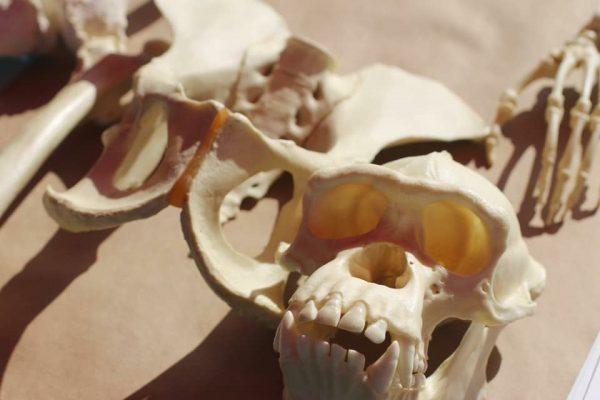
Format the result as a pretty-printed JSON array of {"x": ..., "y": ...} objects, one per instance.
[
  {"x": 353, "y": 321},
  {"x": 299, "y": 353}
]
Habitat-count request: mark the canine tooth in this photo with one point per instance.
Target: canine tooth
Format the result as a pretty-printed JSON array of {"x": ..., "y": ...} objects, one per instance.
[
  {"x": 356, "y": 360},
  {"x": 309, "y": 312},
  {"x": 406, "y": 361},
  {"x": 288, "y": 337},
  {"x": 375, "y": 332},
  {"x": 331, "y": 312},
  {"x": 381, "y": 373},
  {"x": 354, "y": 320}
]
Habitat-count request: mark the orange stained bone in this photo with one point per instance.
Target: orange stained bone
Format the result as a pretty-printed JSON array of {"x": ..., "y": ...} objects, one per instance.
[{"x": 178, "y": 194}]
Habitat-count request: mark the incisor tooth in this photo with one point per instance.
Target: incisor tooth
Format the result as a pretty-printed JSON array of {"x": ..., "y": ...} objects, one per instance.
[
  {"x": 304, "y": 345},
  {"x": 381, "y": 373},
  {"x": 354, "y": 320},
  {"x": 308, "y": 313},
  {"x": 375, "y": 332},
  {"x": 288, "y": 337},
  {"x": 356, "y": 361},
  {"x": 338, "y": 354},
  {"x": 330, "y": 313},
  {"x": 405, "y": 361}
]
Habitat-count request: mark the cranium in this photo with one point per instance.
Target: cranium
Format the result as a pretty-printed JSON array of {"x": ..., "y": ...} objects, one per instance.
[
  {"x": 393, "y": 251},
  {"x": 299, "y": 99},
  {"x": 576, "y": 164}
]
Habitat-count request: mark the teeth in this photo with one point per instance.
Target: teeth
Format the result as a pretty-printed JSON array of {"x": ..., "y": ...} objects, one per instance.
[
  {"x": 308, "y": 313},
  {"x": 356, "y": 361},
  {"x": 304, "y": 344},
  {"x": 338, "y": 354},
  {"x": 419, "y": 380},
  {"x": 354, "y": 320},
  {"x": 381, "y": 373},
  {"x": 321, "y": 350},
  {"x": 376, "y": 331},
  {"x": 405, "y": 362},
  {"x": 287, "y": 337},
  {"x": 330, "y": 313}
]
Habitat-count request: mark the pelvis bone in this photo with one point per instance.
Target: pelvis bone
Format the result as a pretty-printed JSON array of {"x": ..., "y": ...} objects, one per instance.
[
  {"x": 392, "y": 252},
  {"x": 284, "y": 85}
]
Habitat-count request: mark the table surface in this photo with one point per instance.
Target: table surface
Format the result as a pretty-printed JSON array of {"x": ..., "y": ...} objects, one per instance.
[{"x": 124, "y": 313}]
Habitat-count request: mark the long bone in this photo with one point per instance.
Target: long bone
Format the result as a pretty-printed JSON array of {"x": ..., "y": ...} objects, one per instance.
[
  {"x": 573, "y": 170},
  {"x": 300, "y": 98},
  {"x": 95, "y": 31}
]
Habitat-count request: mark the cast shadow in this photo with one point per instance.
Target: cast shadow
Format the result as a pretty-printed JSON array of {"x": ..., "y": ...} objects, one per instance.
[
  {"x": 70, "y": 161},
  {"x": 65, "y": 257},
  {"x": 462, "y": 151},
  {"x": 142, "y": 17},
  {"x": 236, "y": 361},
  {"x": 38, "y": 83},
  {"x": 445, "y": 340},
  {"x": 528, "y": 129}
]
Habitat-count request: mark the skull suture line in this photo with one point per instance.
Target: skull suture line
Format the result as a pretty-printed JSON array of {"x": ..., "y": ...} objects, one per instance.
[{"x": 394, "y": 251}]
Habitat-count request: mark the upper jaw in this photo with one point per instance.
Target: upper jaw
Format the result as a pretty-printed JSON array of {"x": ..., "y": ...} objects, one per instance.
[{"x": 305, "y": 340}]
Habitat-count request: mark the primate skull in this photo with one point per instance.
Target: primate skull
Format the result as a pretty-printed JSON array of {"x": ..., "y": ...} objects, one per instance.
[{"x": 392, "y": 252}]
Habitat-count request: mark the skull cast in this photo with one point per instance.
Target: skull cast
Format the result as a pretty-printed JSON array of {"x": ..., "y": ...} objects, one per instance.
[
  {"x": 239, "y": 151},
  {"x": 392, "y": 252},
  {"x": 575, "y": 165}
]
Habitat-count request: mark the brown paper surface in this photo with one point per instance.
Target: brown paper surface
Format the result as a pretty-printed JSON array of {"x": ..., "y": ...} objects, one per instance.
[{"x": 125, "y": 314}]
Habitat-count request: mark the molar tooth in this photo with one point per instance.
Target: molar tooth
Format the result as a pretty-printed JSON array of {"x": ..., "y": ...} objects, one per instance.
[
  {"x": 354, "y": 320},
  {"x": 356, "y": 360},
  {"x": 308, "y": 313},
  {"x": 375, "y": 332},
  {"x": 288, "y": 337},
  {"x": 381, "y": 373},
  {"x": 331, "y": 312},
  {"x": 406, "y": 361}
]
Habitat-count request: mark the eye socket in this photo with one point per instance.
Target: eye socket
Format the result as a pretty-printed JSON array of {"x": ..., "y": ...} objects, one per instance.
[
  {"x": 347, "y": 210},
  {"x": 455, "y": 237}
]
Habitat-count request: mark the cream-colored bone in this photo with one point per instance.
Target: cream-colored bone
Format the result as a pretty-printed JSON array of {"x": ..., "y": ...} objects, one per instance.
[
  {"x": 287, "y": 88},
  {"x": 226, "y": 269},
  {"x": 573, "y": 171},
  {"x": 210, "y": 42},
  {"x": 22, "y": 157},
  {"x": 485, "y": 276},
  {"x": 93, "y": 29}
]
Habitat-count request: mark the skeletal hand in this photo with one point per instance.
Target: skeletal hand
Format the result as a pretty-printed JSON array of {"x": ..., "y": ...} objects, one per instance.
[{"x": 574, "y": 167}]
